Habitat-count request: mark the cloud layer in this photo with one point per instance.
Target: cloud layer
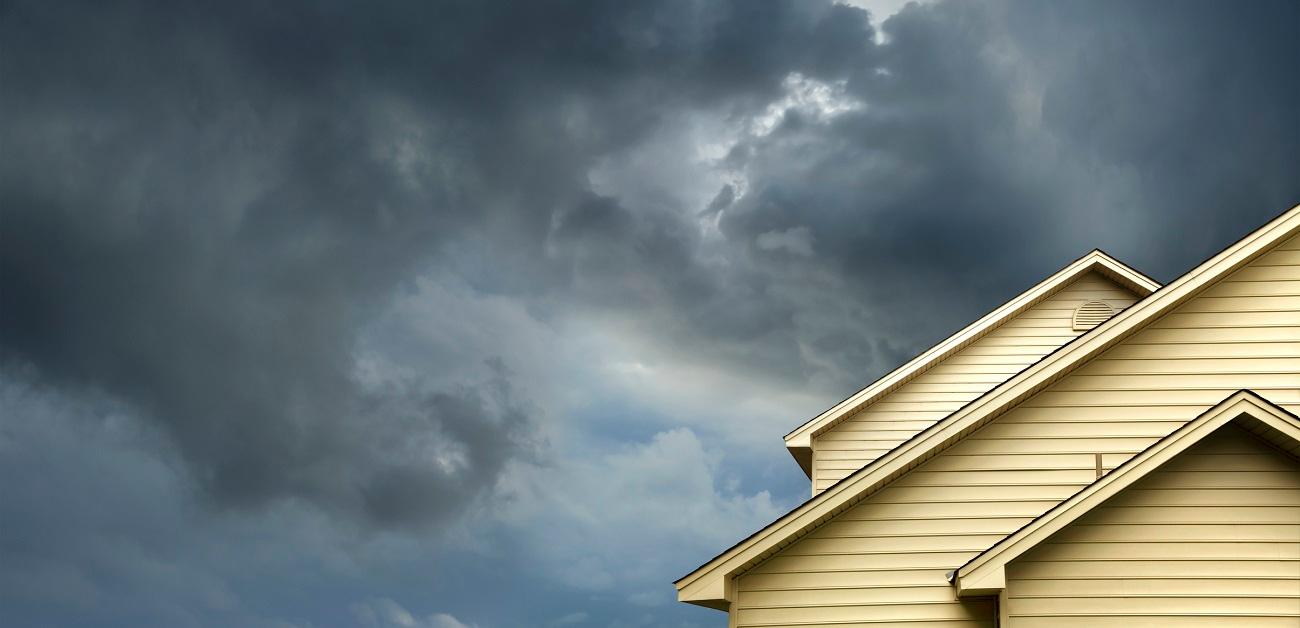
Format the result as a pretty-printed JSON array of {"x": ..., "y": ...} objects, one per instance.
[{"x": 314, "y": 313}]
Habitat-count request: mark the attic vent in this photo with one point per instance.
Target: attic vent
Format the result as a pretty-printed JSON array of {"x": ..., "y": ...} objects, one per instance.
[{"x": 1092, "y": 314}]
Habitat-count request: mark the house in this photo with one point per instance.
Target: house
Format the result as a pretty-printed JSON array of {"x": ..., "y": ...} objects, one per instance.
[{"x": 1099, "y": 451}]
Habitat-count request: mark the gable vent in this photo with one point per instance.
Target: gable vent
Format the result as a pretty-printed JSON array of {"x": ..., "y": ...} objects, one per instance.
[{"x": 1092, "y": 314}]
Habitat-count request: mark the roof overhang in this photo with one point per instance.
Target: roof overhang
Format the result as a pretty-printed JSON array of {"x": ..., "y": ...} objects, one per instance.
[
  {"x": 707, "y": 586},
  {"x": 986, "y": 573},
  {"x": 799, "y": 442}
]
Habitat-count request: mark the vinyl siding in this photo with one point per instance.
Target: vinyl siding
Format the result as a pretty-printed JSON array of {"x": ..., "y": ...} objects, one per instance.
[
  {"x": 963, "y": 376},
  {"x": 937, "y": 517},
  {"x": 1211, "y": 538}
]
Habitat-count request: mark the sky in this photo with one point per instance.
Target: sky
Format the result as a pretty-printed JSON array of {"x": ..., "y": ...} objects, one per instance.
[{"x": 488, "y": 314}]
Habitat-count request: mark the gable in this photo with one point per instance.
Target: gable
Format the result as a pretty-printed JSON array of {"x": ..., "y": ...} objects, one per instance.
[
  {"x": 846, "y": 446},
  {"x": 984, "y": 574},
  {"x": 1033, "y": 491},
  {"x": 1212, "y": 536},
  {"x": 799, "y": 441}
]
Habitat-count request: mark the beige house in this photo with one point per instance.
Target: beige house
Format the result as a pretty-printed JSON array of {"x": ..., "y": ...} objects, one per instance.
[{"x": 1100, "y": 451}]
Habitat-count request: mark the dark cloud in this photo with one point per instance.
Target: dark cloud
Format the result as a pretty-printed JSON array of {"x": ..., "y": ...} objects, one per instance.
[
  {"x": 1191, "y": 100},
  {"x": 203, "y": 206},
  {"x": 207, "y": 211}
]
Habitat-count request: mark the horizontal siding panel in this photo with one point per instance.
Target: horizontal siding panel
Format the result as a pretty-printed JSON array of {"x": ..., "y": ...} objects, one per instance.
[
  {"x": 1265, "y": 272},
  {"x": 862, "y": 434},
  {"x": 1210, "y": 497},
  {"x": 1165, "y": 515},
  {"x": 1081, "y": 476},
  {"x": 958, "y": 512},
  {"x": 1152, "y": 621},
  {"x": 1272, "y": 587},
  {"x": 830, "y": 455},
  {"x": 1164, "y": 606},
  {"x": 1057, "y": 320},
  {"x": 1032, "y": 335},
  {"x": 868, "y": 623},
  {"x": 798, "y": 616},
  {"x": 1042, "y": 344},
  {"x": 1032, "y": 414},
  {"x": 1171, "y": 354},
  {"x": 1218, "y": 478},
  {"x": 1173, "y": 550},
  {"x": 870, "y": 547},
  {"x": 1219, "y": 334},
  {"x": 908, "y": 421},
  {"x": 972, "y": 494},
  {"x": 1120, "y": 382},
  {"x": 1203, "y": 398},
  {"x": 1282, "y": 257},
  {"x": 1286, "y": 303},
  {"x": 840, "y": 528},
  {"x": 883, "y": 562},
  {"x": 971, "y": 374},
  {"x": 1076, "y": 430},
  {"x": 1008, "y": 362},
  {"x": 1241, "y": 531},
  {"x": 829, "y": 463},
  {"x": 1189, "y": 568},
  {"x": 924, "y": 406},
  {"x": 1256, "y": 289},
  {"x": 1208, "y": 320},
  {"x": 969, "y": 389},
  {"x": 1026, "y": 462},
  {"x": 897, "y": 415},
  {"x": 1036, "y": 353},
  {"x": 941, "y": 592},
  {"x": 877, "y": 447},
  {"x": 1189, "y": 366},
  {"x": 950, "y": 398},
  {"x": 1227, "y": 459},
  {"x": 1005, "y": 446},
  {"x": 843, "y": 579}
]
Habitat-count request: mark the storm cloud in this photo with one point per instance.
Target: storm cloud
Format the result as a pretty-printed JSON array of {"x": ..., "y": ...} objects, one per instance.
[{"x": 459, "y": 277}]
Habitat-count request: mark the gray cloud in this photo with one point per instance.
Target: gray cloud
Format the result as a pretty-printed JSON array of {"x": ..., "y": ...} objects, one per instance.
[
  {"x": 203, "y": 208},
  {"x": 219, "y": 221}
]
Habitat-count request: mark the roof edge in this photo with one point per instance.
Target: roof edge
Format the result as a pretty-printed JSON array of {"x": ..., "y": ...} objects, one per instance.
[{"x": 985, "y": 574}]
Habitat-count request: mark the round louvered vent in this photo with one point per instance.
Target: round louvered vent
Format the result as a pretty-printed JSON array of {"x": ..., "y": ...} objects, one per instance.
[{"x": 1092, "y": 314}]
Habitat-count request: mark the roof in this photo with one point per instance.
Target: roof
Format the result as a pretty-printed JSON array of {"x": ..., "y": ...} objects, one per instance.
[
  {"x": 709, "y": 585},
  {"x": 799, "y": 441},
  {"x": 986, "y": 573}
]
